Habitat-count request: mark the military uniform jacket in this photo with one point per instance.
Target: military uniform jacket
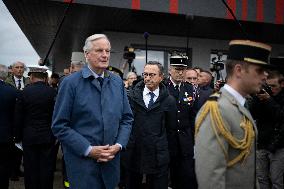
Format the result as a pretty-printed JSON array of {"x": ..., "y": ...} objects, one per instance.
[
  {"x": 33, "y": 114},
  {"x": 211, "y": 166},
  {"x": 186, "y": 112}
]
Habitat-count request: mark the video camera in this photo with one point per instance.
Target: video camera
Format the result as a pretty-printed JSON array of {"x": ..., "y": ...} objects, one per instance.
[
  {"x": 217, "y": 64},
  {"x": 265, "y": 88},
  {"x": 129, "y": 54}
]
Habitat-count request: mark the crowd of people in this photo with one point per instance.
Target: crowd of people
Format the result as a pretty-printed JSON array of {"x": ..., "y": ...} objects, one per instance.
[{"x": 150, "y": 132}]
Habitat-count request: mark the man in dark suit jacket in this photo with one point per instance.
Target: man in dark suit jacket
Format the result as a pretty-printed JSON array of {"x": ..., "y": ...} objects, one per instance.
[
  {"x": 8, "y": 98},
  {"x": 154, "y": 112},
  {"x": 33, "y": 115},
  {"x": 17, "y": 80}
]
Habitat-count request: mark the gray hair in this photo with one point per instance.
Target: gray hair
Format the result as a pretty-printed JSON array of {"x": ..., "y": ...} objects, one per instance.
[
  {"x": 130, "y": 74},
  {"x": 3, "y": 72},
  {"x": 88, "y": 43},
  {"x": 19, "y": 62}
]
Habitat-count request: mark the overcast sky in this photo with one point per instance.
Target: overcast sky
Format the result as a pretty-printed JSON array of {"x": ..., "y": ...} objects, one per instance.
[{"x": 13, "y": 43}]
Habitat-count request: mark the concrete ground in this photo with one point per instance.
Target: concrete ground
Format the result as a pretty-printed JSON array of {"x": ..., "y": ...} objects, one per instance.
[{"x": 57, "y": 184}]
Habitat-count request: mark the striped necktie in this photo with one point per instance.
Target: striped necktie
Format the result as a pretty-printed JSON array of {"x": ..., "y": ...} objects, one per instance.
[
  {"x": 19, "y": 84},
  {"x": 151, "y": 102}
]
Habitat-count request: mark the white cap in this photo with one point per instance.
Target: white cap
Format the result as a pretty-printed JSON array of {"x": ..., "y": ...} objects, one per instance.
[{"x": 78, "y": 58}]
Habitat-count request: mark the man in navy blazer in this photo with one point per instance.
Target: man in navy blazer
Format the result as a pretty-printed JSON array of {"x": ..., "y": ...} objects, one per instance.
[
  {"x": 92, "y": 119},
  {"x": 8, "y": 96}
]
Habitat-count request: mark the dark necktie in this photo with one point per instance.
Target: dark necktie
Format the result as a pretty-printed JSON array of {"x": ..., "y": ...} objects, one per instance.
[
  {"x": 101, "y": 80},
  {"x": 176, "y": 92},
  {"x": 19, "y": 84},
  {"x": 151, "y": 102},
  {"x": 246, "y": 105},
  {"x": 176, "y": 88}
]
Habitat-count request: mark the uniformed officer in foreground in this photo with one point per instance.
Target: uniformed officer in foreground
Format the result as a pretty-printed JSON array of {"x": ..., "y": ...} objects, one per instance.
[{"x": 225, "y": 130}]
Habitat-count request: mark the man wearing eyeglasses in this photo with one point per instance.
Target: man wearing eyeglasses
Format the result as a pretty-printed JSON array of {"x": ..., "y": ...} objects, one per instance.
[
  {"x": 154, "y": 110},
  {"x": 182, "y": 162},
  {"x": 17, "y": 80}
]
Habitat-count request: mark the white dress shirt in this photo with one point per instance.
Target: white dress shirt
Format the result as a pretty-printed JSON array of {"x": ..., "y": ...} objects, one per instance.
[
  {"x": 95, "y": 74},
  {"x": 235, "y": 94},
  {"x": 147, "y": 96},
  {"x": 174, "y": 84},
  {"x": 17, "y": 82}
]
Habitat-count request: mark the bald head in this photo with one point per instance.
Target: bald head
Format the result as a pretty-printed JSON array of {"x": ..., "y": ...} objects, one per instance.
[
  {"x": 191, "y": 76},
  {"x": 204, "y": 78}
]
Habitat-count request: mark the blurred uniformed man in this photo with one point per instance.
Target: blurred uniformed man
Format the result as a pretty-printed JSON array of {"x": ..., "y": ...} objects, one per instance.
[
  {"x": 182, "y": 163},
  {"x": 225, "y": 130},
  {"x": 78, "y": 61},
  {"x": 8, "y": 96},
  {"x": 33, "y": 115}
]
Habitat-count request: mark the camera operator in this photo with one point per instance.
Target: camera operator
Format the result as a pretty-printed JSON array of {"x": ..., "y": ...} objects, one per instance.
[{"x": 267, "y": 108}]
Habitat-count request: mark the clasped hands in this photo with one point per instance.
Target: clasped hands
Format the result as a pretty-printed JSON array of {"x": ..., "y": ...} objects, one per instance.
[{"x": 104, "y": 153}]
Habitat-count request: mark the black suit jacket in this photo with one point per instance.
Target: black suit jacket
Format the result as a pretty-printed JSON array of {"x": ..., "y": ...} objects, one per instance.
[
  {"x": 33, "y": 114},
  {"x": 150, "y": 140},
  {"x": 8, "y": 95},
  {"x": 204, "y": 94}
]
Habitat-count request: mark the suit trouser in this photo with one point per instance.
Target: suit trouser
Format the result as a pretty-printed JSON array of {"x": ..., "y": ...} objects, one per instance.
[
  {"x": 5, "y": 164},
  {"x": 39, "y": 166},
  {"x": 16, "y": 161},
  {"x": 153, "y": 181},
  {"x": 270, "y": 169},
  {"x": 182, "y": 173}
]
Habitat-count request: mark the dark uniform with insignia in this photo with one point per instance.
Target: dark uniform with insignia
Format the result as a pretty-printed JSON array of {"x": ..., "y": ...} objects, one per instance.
[
  {"x": 33, "y": 116},
  {"x": 182, "y": 162}
]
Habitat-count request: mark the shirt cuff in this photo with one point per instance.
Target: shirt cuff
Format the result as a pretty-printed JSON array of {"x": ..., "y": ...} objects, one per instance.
[
  {"x": 88, "y": 151},
  {"x": 119, "y": 146}
]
